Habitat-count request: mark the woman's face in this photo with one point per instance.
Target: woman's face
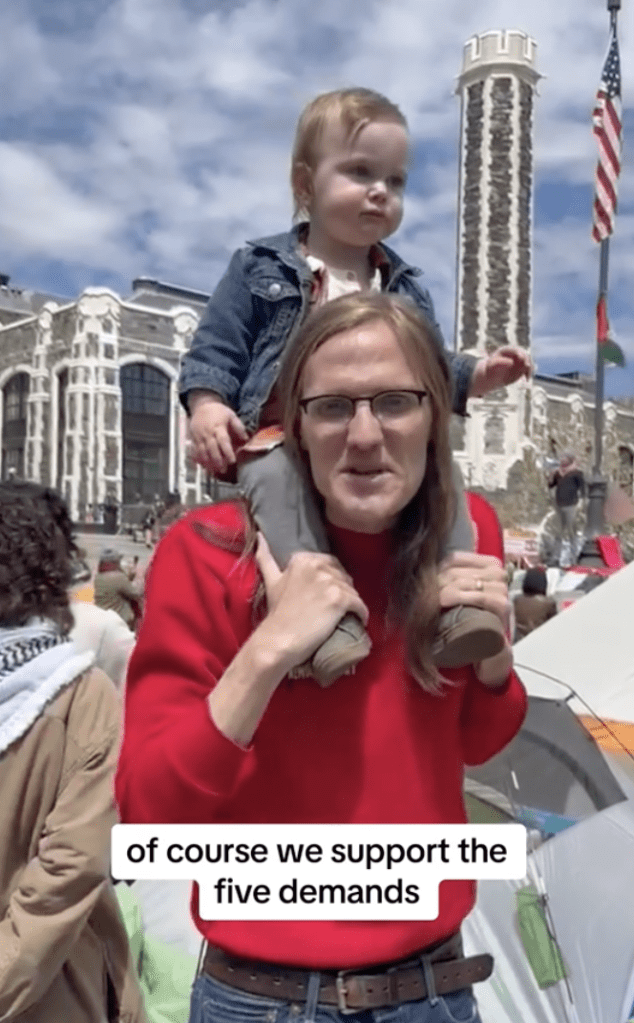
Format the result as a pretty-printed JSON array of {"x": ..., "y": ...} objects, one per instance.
[{"x": 367, "y": 471}]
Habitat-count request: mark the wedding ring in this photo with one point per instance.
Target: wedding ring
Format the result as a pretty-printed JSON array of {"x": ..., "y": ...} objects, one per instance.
[{"x": 479, "y": 584}]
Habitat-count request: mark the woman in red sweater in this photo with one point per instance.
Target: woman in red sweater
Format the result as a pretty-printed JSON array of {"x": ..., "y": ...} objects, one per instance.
[{"x": 218, "y": 730}]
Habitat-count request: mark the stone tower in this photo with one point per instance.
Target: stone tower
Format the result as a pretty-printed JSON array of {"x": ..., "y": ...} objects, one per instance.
[
  {"x": 493, "y": 295},
  {"x": 496, "y": 173}
]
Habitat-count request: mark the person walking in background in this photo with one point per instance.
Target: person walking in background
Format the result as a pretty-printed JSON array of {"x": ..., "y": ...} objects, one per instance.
[
  {"x": 148, "y": 523},
  {"x": 532, "y": 607},
  {"x": 569, "y": 484},
  {"x": 114, "y": 591},
  {"x": 64, "y": 954}
]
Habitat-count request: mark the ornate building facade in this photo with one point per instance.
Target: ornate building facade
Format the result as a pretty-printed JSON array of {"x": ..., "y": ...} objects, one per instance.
[{"x": 88, "y": 393}]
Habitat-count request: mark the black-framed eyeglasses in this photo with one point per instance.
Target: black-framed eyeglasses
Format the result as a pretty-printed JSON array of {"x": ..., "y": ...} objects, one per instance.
[{"x": 339, "y": 409}]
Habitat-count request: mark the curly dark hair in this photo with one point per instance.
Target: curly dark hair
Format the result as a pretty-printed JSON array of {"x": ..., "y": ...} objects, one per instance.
[{"x": 37, "y": 548}]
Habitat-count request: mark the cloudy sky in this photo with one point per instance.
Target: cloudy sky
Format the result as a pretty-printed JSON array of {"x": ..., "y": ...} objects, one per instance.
[{"x": 152, "y": 137}]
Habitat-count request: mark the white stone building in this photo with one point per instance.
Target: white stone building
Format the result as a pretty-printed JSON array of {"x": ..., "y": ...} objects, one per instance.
[{"x": 88, "y": 393}]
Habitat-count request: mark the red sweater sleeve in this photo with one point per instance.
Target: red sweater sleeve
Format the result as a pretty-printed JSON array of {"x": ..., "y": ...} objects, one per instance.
[
  {"x": 197, "y": 616},
  {"x": 490, "y": 717}
]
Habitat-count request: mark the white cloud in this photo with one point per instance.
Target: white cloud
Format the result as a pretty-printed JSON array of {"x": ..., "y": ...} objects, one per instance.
[
  {"x": 26, "y": 75},
  {"x": 39, "y": 213}
]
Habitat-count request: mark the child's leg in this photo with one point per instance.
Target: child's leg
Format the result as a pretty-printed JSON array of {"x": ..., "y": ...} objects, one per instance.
[
  {"x": 461, "y": 537},
  {"x": 282, "y": 504},
  {"x": 284, "y": 509},
  {"x": 465, "y": 635}
]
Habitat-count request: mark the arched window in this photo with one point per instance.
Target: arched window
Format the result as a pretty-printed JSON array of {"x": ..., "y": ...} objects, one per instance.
[
  {"x": 145, "y": 404},
  {"x": 14, "y": 413}
]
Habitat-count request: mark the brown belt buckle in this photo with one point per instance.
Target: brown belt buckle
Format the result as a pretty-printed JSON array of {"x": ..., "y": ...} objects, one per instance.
[{"x": 341, "y": 994}]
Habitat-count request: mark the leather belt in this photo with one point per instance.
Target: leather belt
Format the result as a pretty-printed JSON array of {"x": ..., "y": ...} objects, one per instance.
[{"x": 386, "y": 986}]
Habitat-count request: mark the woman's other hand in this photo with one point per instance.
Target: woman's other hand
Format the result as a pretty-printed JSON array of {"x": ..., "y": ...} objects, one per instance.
[{"x": 479, "y": 580}]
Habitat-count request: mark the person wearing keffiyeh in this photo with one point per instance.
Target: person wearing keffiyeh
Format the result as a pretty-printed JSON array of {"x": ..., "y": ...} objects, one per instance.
[{"x": 64, "y": 953}]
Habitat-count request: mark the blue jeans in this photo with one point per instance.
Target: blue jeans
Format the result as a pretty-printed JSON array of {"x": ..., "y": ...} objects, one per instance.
[{"x": 213, "y": 1002}]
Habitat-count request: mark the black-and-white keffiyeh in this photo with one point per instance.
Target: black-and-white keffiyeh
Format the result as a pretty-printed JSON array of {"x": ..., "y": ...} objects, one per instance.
[
  {"x": 19, "y": 645},
  {"x": 36, "y": 662}
]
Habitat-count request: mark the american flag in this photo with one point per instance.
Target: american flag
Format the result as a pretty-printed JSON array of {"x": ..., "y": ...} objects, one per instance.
[{"x": 606, "y": 124}]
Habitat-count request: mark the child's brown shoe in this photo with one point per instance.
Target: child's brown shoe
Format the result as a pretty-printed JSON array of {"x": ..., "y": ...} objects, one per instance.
[
  {"x": 338, "y": 655},
  {"x": 467, "y": 635}
]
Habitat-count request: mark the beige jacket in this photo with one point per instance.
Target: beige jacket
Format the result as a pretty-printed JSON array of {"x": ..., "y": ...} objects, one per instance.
[{"x": 64, "y": 955}]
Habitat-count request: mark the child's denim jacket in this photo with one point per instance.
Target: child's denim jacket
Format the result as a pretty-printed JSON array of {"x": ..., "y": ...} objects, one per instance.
[{"x": 257, "y": 307}]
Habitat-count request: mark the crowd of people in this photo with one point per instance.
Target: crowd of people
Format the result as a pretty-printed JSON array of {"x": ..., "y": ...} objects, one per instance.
[{"x": 334, "y": 648}]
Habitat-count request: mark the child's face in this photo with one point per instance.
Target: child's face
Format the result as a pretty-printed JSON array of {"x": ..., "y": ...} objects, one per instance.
[{"x": 355, "y": 191}]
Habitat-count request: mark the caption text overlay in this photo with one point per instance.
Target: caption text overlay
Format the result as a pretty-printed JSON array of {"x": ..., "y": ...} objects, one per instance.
[{"x": 318, "y": 871}]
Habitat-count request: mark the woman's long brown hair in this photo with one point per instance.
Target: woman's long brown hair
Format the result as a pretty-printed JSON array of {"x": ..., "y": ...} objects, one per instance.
[{"x": 424, "y": 524}]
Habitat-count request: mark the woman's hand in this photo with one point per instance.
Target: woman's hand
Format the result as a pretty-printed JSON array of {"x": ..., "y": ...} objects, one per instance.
[
  {"x": 305, "y": 602},
  {"x": 479, "y": 580}
]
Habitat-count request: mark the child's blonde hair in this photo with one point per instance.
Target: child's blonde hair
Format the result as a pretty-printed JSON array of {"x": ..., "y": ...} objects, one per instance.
[{"x": 354, "y": 108}]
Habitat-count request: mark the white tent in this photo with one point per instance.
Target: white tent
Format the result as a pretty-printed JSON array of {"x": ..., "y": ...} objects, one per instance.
[
  {"x": 587, "y": 872},
  {"x": 582, "y": 660},
  {"x": 588, "y": 648},
  {"x": 585, "y": 655}
]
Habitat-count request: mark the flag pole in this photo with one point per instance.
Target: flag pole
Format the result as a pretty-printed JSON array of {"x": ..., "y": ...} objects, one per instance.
[
  {"x": 604, "y": 258},
  {"x": 598, "y": 484}
]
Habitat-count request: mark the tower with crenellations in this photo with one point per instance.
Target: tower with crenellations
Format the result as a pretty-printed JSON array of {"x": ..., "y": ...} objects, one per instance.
[
  {"x": 511, "y": 435},
  {"x": 497, "y": 87}
]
